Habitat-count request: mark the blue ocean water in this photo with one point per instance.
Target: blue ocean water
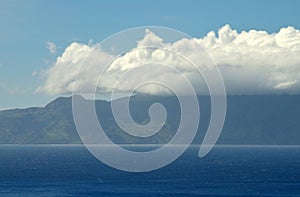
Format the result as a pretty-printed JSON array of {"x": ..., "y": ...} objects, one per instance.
[{"x": 225, "y": 171}]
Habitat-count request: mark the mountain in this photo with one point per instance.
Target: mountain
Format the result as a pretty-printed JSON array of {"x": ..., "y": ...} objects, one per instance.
[{"x": 257, "y": 119}]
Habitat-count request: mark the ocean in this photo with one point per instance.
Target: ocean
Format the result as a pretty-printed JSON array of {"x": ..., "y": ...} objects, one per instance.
[{"x": 70, "y": 170}]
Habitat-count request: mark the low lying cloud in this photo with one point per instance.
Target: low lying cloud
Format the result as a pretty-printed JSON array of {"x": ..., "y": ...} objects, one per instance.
[{"x": 252, "y": 62}]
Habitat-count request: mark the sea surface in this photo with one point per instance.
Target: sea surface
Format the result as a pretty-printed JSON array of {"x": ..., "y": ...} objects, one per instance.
[{"x": 70, "y": 170}]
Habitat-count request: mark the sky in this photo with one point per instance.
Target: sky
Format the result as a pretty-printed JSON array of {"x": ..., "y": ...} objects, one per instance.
[{"x": 35, "y": 33}]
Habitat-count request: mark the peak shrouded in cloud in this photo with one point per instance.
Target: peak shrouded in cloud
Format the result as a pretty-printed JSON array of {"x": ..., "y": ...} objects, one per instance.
[{"x": 251, "y": 62}]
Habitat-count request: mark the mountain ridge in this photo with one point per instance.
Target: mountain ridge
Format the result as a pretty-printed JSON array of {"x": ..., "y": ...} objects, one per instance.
[{"x": 256, "y": 119}]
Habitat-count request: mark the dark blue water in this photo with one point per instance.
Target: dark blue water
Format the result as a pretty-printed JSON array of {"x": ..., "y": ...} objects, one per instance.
[{"x": 227, "y": 171}]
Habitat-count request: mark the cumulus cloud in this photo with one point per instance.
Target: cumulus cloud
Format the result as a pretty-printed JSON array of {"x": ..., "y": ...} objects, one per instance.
[
  {"x": 256, "y": 61},
  {"x": 60, "y": 77},
  {"x": 51, "y": 47},
  {"x": 251, "y": 62}
]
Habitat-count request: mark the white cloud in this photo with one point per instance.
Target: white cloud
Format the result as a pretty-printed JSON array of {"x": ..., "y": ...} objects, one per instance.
[
  {"x": 252, "y": 62},
  {"x": 60, "y": 77},
  {"x": 51, "y": 47},
  {"x": 256, "y": 61},
  {"x": 34, "y": 73}
]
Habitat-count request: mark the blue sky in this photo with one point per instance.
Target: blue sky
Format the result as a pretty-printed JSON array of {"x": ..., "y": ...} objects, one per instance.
[{"x": 26, "y": 27}]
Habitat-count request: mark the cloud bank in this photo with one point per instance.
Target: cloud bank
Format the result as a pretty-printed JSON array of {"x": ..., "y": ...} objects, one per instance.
[{"x": 252, "y": 62}]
